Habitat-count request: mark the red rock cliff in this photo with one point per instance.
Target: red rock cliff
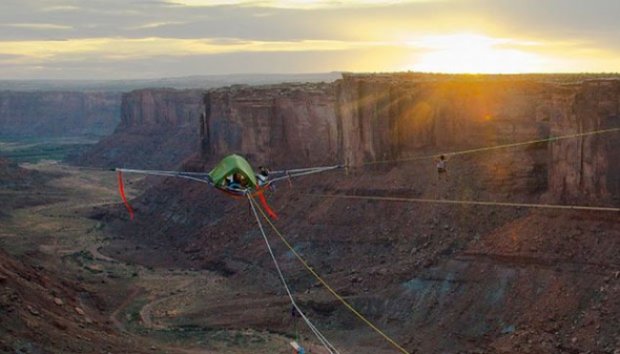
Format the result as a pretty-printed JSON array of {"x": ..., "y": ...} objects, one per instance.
[
  {"x": 395, "y": 116},
  {"x": 364, "y": 118},
  {"x": 293, "y": 124},
  {"x": 158, "y": 129},
  {"x": 588, "y": 165}
]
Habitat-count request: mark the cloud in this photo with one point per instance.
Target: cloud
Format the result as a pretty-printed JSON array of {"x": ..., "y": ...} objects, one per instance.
[
  {"x": 60, "y": 8},
  {"x": 296, "y": 4},
  {"x": 152, "y": 25},
  {"x": 37, "y": 26},
  {"x": 95, "y": 67},
  {"x": 123, "y": 48}
]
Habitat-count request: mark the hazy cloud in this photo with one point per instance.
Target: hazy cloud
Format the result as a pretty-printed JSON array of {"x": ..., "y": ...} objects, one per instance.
[{"x": 37, "y": 26}]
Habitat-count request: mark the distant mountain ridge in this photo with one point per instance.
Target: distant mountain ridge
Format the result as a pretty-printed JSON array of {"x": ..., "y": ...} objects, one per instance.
[{"x": 188, "y": 82}]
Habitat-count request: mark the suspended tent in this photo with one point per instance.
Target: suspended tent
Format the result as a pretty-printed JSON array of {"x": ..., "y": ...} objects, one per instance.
[
  {"x": 231, "y": 165},
  {"x": 217, "y": 177}
]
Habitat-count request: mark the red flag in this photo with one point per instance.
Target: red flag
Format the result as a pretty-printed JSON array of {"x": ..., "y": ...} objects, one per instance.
[
  {"x": 121, "y": 190},
  {"x": 263, "y": 201}
]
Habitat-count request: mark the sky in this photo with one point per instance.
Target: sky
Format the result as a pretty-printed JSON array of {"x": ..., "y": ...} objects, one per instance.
[{"x": 131, "y": 39}]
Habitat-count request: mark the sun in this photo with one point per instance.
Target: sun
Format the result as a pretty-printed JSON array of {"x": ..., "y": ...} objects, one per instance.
[{"x": 473, "y": 53}]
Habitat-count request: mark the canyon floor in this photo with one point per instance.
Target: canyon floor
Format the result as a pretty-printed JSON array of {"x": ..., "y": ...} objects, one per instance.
[
  {"x": 438, "y": 279},
  {"x": 57, "y": 237}
]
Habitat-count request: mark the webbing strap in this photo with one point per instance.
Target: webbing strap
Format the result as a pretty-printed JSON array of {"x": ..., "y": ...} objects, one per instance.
[
  {"x": 318, "y": 334},
  {"x": 331, "y": 290}
]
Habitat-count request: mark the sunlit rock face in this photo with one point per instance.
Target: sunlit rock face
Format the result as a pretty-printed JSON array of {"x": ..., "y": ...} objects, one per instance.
[
  {"x": 394, "y": 117},
  {"x": 387, "y": 117},
  {"x": 58, "y": 114}
]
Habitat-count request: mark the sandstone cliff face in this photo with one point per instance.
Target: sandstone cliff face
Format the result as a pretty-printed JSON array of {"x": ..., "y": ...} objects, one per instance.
[
  {"x": 589, "y": 165},
  {"x": 158, "y": 129},
  {"x": 57, "y": 114},
  {"x": 391, "y": 117},
  {"x": 364, "y": 118},
  {"x": 282, "y": 125},
  {"x": 161, "y": 108}
]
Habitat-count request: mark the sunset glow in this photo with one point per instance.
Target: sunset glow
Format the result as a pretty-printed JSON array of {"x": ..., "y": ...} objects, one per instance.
[{"x": 469, "y": 53}]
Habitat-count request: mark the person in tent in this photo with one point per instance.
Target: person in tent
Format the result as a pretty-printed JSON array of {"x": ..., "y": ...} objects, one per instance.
[
  {"x": 262, "y": 176},
  {"x": 298, "y": 348},
  {"x": 236, "y": 181},
  {"x": 440, "y": 163}
]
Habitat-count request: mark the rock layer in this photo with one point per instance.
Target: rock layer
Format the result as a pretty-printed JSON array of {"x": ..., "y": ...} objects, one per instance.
[
  {"x": 158, "y": 129},
  {"x": 290, "y": 124}
]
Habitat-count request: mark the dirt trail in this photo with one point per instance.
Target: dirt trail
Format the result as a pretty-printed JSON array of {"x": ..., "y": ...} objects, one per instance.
[
  {"x": 146, "y": 311},
  {"x": 130, "y": 298}
]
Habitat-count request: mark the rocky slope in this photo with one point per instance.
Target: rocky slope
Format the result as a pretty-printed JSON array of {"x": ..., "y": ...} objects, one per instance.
[
  {"x": 13, "y": 181},
  {"x": 439, "y": 278},
  {"x": 58, "y": 114},
  {"x": 42, "y": 308},
  {"x": 40, "y": 313}
]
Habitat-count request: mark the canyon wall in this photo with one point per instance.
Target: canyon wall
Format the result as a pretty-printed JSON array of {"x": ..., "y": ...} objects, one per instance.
[
  {"x": 385, "y": 117},
  {"x": 392, "y": 116},
  {"x": 158, "y": 129},
  {"x": 369, "y": 118},
  {"x": 280, "y": 125},
  {"x": 58, "y": 114},
  {"x": 587, "y": 165}
]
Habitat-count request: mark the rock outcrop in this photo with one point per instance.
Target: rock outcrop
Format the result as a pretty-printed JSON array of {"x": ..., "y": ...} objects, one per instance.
[
  {"x": 281, "y": 125},
  {"x": 58, "y": 114},
  {"x": 587, "y": 166},
  {"x": 42, "y": 313},
  {"x": 393, "y": 116},
  {"x": 158, "y": 129}
]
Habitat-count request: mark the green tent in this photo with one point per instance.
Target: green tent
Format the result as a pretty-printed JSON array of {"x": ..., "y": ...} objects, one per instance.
[{"x": 233, "y": 164}]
